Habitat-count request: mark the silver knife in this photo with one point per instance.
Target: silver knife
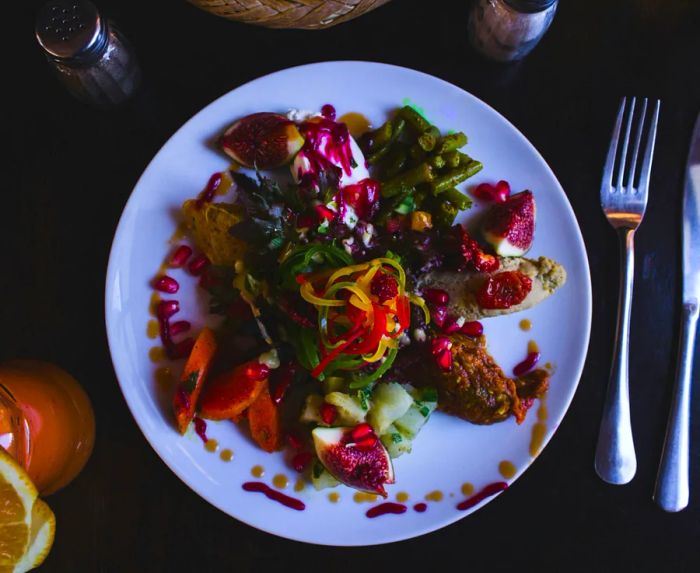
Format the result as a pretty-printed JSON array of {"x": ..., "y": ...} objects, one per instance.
[{"x": 671, "y": 491}]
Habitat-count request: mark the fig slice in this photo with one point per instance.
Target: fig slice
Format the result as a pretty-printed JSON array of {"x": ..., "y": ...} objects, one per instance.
[
  {"x": 363, "y": 467},
  {"x": 263, "y": 140},
  {"x": 509, "y": 227}
]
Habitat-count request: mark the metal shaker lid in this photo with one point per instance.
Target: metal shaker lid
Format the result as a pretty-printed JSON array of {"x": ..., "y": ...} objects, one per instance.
[
  {"x": 530, "y": 6},
  {"x": 70, "y": 29}
]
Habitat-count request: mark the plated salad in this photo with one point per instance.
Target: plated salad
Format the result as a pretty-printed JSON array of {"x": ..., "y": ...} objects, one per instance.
[{"x": 350, "y": 300}]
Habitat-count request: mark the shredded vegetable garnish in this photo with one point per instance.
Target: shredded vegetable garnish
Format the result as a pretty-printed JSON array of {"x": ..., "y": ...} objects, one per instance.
[{"x": 358, "y": 322}]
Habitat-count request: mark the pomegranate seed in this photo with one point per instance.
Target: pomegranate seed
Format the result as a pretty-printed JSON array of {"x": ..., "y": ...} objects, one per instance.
[
  {"x": 197, "y": 265},
  {"x": 166, "y": 284},
  {"x": 440, "y": 343},
  {"x": 294, "y": 441},
  {"x": 167, "y": 308},
  {"x": 328, "y": 111},
  {"x": 208, "y": 193},
  {"x": 256, "y": 371},
  {"x": 451, "y": 325},
  {"x": 328, "y": 413},
  {"x": 384, "y": 287},
  {"x": 444, "y": 359},
  {"x": 437, "y": 296},
  {"x": 324, "y": 212},
  {"x": 526, "y": 365},
  {"x": 366, "y": 443},
  {"x": 393, "y": 225},
  {"x": 179, "y": 327},
  {"x": 305, "y": 221},
  {"x": 361, "y": 431},
  {"x": 180, "y": 256},
  {"x": 439, "y": 314},
  {"x": 473, "y": 329},
  {"x": 502, "y": 192},
  {"x": 301, "y": 461},
  {"x": 180, "y": 349}
]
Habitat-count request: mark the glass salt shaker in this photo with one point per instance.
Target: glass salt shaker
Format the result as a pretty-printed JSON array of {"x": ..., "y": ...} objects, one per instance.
[
  {"x": 506, "y": 30},
  {"x": 87, "y": 53}
]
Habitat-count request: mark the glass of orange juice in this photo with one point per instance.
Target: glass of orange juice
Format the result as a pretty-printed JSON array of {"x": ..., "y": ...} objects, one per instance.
[{"x": 46, "y": 422}]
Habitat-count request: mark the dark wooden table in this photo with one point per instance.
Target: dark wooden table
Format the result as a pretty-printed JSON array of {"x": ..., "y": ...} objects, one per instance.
[{"x": 72, "y": 169}]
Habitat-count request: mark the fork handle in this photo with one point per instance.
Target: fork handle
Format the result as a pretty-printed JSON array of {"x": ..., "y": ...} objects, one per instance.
[
  {"x": 615, "y": 460},
  {"x": 671, "y": 490}
]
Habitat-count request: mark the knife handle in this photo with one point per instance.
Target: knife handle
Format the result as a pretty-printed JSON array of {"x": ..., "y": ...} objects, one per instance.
[
  {"x": 671, "y": 490},
  {"x": 615, "y": 459}
]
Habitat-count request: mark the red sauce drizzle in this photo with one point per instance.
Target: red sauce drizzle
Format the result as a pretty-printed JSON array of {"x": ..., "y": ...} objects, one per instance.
[
  {"x": 384, "y": 508},
  {"x": 200, "y": 428},
  {"x": 488, "y": 491},
  {"x": 420, "y": 507},
  {"x": 327, "y": 148},
  {"x": 259, "y": 487},
  {"x": 208, "y": 194}
]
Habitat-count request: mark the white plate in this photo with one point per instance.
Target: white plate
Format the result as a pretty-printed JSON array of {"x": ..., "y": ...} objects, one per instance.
[{"x": 449, "y": 452}]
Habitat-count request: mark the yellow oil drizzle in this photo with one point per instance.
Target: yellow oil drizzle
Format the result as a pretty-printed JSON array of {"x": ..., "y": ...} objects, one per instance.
[
  {"x": 157, "y": 354},
  {"x": 549, "y": 366},
  {"x": 525, "y": 324},
  {"x": 257, "y": 471},
  {"x": 467, "y": 489},
  {"x": 211, "y": 445},
  {"x": 152, "y": 329},
  {"x": 153, "y": 305},
  {"x": 164, "y": 377},
  {"x": 402, "y": 497},
  {"x": 532, "y": 347},
  {"x": 357, "y": 123},
  {"x": 226, "y": 455},
  {"x": 539, "y": 429},
  {"x": 435, "y": 495},
  {"x": 299, "y": 485},
  {"x": 180, "y": 232},
  {"x": 506, "y": 469},
  {"x": 361, "y": 496},
  {"x": 334, "y": 497},
  {"x": 280, "y": 481},
  {"x": 225, "y": 184}
]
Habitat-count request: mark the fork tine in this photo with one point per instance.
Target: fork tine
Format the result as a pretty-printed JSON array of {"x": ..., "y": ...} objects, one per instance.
[
  {"x": 645, "y": 170},
  {"x": 612, "y": 151},
  {"x": 623, "y": 156},
  {"x": 637, "y": 141}
]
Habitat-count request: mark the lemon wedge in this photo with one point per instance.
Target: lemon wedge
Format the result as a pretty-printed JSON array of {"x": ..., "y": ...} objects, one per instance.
[{"x": 27, "y": 524}]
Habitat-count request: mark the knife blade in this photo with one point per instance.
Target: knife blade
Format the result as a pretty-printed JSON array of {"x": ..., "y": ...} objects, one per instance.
[
  {"x": 691, "y": 221},
  {"x": 672, "y": 490}
]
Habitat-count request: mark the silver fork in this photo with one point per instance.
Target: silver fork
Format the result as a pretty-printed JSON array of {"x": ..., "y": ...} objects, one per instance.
[{"x": 624, "y": 205}]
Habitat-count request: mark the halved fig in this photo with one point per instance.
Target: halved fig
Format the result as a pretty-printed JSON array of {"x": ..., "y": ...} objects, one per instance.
[
  {"x": 264, "y": 140},
  {"x": 509, "y": 227},
  {"x": 365, "y": 466}
]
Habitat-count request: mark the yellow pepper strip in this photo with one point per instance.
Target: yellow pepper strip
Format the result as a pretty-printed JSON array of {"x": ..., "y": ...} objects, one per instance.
[
  {"x": 390, "y": 324},
  {"x": 356, "y": 301},
  {"x": 307, "y": 293},
  {"x": 346, "y": 271},
  {"x": 420, "y": 302},
  {"x": 360, "y": 294},
  {"x": 364, "y": 282},
  {"x": 381, "y": 349}
]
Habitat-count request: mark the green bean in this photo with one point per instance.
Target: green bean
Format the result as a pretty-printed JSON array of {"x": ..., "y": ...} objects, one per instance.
[
  {"x": 464, "y": 159},
  {"x": 429, "y": 138},
  {"x": 451, "y": 142},
  {"x": 422, "y": 173},
  {"x": 457, "y": 198},
  {"x": 414, "y": 119},
  {"x": 394, "y": 161},
  {"x": 382, "y": 135},
  {"x": 454, "y": 177},
  {"x": 397, "y": 127},
  {"x": 417, "y": 153},
  {"x": 437, "y": 161},
  {"x": 452, "y": 158},
  {"x": 444, "y": 215},
  {"x": 419, "y": 198}
]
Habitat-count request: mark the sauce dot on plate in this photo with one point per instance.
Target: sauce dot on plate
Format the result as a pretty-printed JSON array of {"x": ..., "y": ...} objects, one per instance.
[
  {"x": 467, "y": 489},
  {"x": 280, "y": 481},
  {"x": 435, "y": 495},
  {"x": 257, "y": 471},
  {"x": 506, "y": 469},
  {"x": 226, "y": 455}
]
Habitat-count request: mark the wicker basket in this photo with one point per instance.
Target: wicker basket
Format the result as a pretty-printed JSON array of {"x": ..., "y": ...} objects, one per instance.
[{"x": 307, "y": 14}]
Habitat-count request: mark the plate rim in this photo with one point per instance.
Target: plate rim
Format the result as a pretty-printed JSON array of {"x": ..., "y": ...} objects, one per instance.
[{"x": 111, "y": 272}]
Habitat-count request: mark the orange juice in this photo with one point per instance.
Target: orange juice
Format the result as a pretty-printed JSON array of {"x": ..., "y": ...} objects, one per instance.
[{"x": 46, "y": 422}]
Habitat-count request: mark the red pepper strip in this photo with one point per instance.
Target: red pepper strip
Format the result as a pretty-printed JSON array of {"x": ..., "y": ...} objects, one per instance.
[
  {"x": 403, "y": 315},
  {"x": 374, "y": 336},
  {"x": 328, "y": 358}
]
